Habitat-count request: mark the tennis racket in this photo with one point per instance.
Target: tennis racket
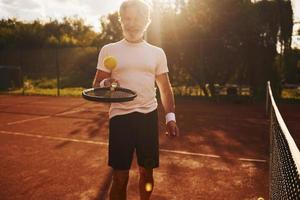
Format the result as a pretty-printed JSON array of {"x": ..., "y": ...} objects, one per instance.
[{"x": 109, "y": 94}]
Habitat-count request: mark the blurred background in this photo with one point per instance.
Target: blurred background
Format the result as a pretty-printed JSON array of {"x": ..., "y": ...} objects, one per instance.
[{"x": 214, "y": 48}]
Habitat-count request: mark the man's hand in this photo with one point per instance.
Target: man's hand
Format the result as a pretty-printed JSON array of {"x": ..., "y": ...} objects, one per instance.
[
  {"x": 109, "y": 81},
  {"x": 172, "y": 129}
]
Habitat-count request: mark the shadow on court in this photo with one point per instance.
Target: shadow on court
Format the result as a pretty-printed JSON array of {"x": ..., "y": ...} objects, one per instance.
[{"x": 56, "y": 148}]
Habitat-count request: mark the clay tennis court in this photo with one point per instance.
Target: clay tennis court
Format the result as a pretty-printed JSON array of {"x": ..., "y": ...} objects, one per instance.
[{"x": 56, "y": 148}]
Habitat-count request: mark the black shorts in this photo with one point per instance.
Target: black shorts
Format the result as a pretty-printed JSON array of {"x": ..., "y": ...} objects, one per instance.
[{"x": 133, "y": 132}]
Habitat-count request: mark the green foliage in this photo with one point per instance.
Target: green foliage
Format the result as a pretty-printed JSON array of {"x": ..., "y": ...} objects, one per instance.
[
  {"x": 39, "y": 48},
  {"x": 207, "y": 41},
  {"x": 82, "y": 71},
  {"x": 291, "y": 93},
  {"x": 232, "y": 41},
  {"x": 111, "y": 30},
  {"x": 291, "y": 73},
  {"x": 69, "y": 32},
  {"x": 43, "y": 83},
  {"x": 47, "y": 92}
]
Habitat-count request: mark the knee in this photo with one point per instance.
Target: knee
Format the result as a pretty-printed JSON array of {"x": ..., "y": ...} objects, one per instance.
[
  {"x": 146, "y": 173},
  {"x": 120, "y": 177}
]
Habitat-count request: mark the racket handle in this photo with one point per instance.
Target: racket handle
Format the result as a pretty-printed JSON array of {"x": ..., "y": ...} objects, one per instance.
[{"x": 113, "y": 86}]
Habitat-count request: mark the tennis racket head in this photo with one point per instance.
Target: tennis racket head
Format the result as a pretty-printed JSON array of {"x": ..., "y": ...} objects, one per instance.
[{"x": 105, "y": 94}]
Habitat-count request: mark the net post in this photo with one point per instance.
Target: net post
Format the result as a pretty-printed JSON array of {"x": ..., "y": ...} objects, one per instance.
[
  {"x": 57, "y": 70},
  {"x": 267, "y": 99}
]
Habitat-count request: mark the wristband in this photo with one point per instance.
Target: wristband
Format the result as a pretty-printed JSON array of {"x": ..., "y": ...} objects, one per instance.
[{"x": 170, "y": 117}]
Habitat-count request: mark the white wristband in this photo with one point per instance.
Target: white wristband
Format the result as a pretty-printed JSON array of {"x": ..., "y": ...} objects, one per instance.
[
  {"x": 170, "y": 117},
  {"x": 101, "y": 84}
]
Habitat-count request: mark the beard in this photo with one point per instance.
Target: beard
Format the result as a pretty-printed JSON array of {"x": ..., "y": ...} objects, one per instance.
[{"x": 133, "y": 34}]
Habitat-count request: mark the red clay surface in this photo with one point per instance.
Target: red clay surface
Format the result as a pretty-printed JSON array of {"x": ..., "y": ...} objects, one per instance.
[{"x": 56, "y": 148}]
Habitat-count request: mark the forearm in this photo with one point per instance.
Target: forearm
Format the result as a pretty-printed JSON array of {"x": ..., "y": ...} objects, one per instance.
[
  {"x": 168, "y": 102},
  {"x": 167, "y": 99},
  {"x": 96, "y": 82},
  {"x": 99, "y": 76}
]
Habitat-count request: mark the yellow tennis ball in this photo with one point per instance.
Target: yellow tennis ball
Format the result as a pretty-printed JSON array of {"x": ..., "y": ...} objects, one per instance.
[
  {"x": 260, "y": 198},
  {"x": 110, "y": 62},
  {"x": 148, "y": 187}
]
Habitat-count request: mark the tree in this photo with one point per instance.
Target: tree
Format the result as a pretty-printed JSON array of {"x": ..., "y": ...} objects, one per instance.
[
  {"x": 111, "y": 30},
  {"x": 69, "y": 33},
  {"x": 232, "y": 41}
]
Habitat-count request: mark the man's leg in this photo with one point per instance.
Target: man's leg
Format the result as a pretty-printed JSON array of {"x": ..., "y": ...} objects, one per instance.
[
  {"x": 146, "y": 183},
  {"x": 120, "y": 153},
  {"x": 147, "y": 152},
  {"x": 119, "y": 185}
]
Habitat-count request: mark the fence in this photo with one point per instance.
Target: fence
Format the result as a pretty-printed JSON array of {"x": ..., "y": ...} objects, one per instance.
[{"x": 54, "y": 67}]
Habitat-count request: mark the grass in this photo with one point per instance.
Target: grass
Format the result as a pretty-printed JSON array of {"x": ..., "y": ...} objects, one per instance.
[
  {"x": 44, "y": 87},
  {"x": 46, "y": 92},
  {"x": 183, "y": 91},
  {"x": 290, "y": 94}
]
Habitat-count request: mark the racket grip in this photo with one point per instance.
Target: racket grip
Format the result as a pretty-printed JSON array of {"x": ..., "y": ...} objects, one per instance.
[{"x": 113, "y": 86}]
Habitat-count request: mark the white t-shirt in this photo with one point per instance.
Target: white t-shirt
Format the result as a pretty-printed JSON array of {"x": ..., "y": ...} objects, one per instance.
[{"x": 137, "y": 66}]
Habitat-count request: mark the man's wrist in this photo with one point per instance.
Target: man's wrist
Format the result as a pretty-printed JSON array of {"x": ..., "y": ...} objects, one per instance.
[
  {"x": 170, "y": 117},
  {"x": 101, "y": 84}
]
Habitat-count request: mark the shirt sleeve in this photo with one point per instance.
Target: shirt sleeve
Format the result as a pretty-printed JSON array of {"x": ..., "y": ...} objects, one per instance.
[
  {"x": 162, "y": 65},
  {"x": 102, "y": 54}
]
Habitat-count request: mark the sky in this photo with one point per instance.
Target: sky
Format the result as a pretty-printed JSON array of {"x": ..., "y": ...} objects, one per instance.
[
  {"x": 89, "y": 10},
  {"x": 28, "y": 10}
]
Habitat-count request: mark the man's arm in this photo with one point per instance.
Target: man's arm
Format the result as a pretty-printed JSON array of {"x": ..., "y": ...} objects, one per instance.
[
  {"x": 166, "y": 92},
  {"x": 168, "y": 102},
  {"x": 100, "y": 76}
]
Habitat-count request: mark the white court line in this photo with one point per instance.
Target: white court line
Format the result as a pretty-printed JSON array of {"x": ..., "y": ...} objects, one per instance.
[
  {"x": 43, "y": 117},
  {"x": 209, "y": 155},
  {"x": 106, "y": 144},
  {"x": 251, "y": 160},
  {"x": 54, "y": 138},
  {"x": 70, "y": 112},
  {"x": 190, "y": 153},
  {"x": 28, "y": 120}
]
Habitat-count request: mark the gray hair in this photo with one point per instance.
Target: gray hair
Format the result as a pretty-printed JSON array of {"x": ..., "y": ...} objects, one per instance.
[{"x": 143, "y": 8}]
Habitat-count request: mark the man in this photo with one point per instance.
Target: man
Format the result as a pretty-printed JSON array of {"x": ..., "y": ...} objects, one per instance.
[{"x": 133, "y": 125}]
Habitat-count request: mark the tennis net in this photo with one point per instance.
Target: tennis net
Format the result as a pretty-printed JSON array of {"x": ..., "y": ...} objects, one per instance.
[{"x": 284, "y": 178}]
